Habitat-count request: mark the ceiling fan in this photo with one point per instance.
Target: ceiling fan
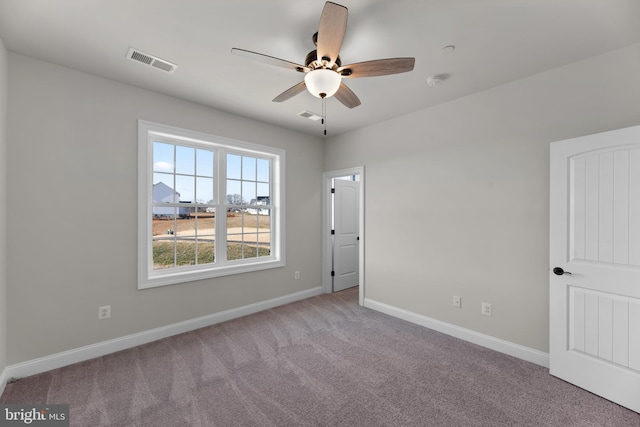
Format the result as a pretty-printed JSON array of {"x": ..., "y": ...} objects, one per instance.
[{"x": 323, "y": 67}]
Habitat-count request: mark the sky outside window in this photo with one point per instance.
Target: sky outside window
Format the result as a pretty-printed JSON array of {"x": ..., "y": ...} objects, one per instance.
[{"x": 190, "y": 172}]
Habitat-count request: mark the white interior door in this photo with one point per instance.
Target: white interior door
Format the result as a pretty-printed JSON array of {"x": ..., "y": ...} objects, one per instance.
[
  {"x": 595, "y": 240},
  {"x": 346, "y": 241}
]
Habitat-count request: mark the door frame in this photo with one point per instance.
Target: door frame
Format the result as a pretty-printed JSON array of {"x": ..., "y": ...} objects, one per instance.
[{"x": 327, "y": 177}]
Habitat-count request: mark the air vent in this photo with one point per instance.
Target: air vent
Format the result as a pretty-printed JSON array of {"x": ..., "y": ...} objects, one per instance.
[
  {"x": 309, "y": 115},
  {"x": 153, "y": 61}
]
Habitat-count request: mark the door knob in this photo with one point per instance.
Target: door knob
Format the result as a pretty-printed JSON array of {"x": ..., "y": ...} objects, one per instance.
[{"x": 559, "y": 271}]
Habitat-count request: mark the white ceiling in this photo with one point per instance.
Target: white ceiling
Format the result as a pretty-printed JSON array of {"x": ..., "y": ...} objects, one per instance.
[{"x": 497, "y": 41}]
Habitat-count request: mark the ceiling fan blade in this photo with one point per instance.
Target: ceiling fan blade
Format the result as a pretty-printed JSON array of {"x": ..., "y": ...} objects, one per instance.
[
  {"x": 378, "y": 67},
  {"x": 333, "y": 25},
  {"x": 347, "y": 97},
  {"x": 271, "y": 60},
  {"x": 291, "y": 92}
]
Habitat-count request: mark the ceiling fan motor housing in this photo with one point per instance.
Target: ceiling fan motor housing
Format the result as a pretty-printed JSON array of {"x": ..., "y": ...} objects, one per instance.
[{"x": 311, "y": 61}]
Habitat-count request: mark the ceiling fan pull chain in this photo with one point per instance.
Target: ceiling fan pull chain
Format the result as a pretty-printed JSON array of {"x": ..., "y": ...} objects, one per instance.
[{"x": 324, "y": 114}]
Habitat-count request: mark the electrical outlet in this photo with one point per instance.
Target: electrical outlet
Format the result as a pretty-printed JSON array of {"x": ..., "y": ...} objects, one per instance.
[
  {"x": 457, "y": 301},
  {"x": 486, "y": 309},
  {"x": 104, "y": 312},
  {"x": 296, "y": 275}
]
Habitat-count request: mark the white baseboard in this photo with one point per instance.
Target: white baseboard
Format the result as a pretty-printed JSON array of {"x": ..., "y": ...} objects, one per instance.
[
  {"x": 80, "y": 354},
  {"x": 4, "y": 377},
  {"x": 497, "y": 344}
]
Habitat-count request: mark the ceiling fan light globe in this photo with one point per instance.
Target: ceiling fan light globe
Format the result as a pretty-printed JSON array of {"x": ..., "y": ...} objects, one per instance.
[{"x": 322, "y": 83}]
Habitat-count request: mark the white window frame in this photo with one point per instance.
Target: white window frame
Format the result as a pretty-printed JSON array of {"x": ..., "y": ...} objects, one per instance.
[{"x": 148, "y": 132}]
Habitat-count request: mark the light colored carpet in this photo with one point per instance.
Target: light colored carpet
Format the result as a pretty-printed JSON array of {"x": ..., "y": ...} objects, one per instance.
[{"x": 324, "y": 361}]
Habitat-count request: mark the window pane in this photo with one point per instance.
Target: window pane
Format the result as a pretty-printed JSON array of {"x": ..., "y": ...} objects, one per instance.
[
  {"x": 206, "y": 251},
  {"x": 163, "y": 237},
  {"x": 263, "y": 193},
  {"x": 234, "y": 251},
  {"x": 186, "y": 237},
  {"x": 162, "y": 157},
  {"x": 207, "y": 223},
  {"x": 234, "y": 196},
  {"x": 249, "y": 168},
  {"x": 249, "y": 250},
  {"x": 206, "y": 236},
  {"x": 165, "y": 178},
  {"x": 185, "y": 253},
  {"x": 234, "y": 235},
  {"x": 185, "y": 187},
  {"x": 163, "y": 254},
  {"x": 263, "y": 170},
  {"x": 249, "y": 192},
  {"x": 162, "y": 189},
  {"x": 185, "y": 160},
  {"x": 204, "y": 190},
  {"x": 234, "y": 247},
  {"x": 233, "y": 166},
  {"x": 204, "y": 163},
  {"x": 234, "y": 222},
  {"x": 264, "y": 232},
  {"x": 250, "y": 223}
]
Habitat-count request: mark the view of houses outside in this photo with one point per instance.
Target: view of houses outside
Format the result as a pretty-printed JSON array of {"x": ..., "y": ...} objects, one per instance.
[{"x": 184, "y": 207}]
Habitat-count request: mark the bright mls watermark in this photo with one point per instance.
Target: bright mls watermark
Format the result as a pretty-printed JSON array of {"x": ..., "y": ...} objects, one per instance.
[{"x": 34, "y": 415}]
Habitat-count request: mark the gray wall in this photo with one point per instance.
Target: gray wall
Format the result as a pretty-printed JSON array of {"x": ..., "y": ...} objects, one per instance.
[
  {"x": 457, "y": 196},
  {"x": 3, "y": 205},
  {"x": 72, "y": 182},
  {"x": 456, "y": 202}
]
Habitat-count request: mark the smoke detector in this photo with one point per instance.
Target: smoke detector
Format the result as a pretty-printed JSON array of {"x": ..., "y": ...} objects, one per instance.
[
  {"x": 448, "y": 49},
  {"x": 151, "y": 60},
  {"x": 436, "y": 79}
]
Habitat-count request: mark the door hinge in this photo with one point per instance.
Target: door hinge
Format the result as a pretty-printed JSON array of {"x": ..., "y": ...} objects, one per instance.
[
  {"x": 333, "y": 231},
  {"x": 333, "y": 190},
  {"x": 333, "y": 273}
]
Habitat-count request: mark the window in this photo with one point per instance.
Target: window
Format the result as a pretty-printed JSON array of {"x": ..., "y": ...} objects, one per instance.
[{"x": 208, "y": 206}]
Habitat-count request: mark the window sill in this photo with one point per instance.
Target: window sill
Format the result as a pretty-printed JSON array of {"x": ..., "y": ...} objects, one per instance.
[{"x": 160, "y": 278}]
